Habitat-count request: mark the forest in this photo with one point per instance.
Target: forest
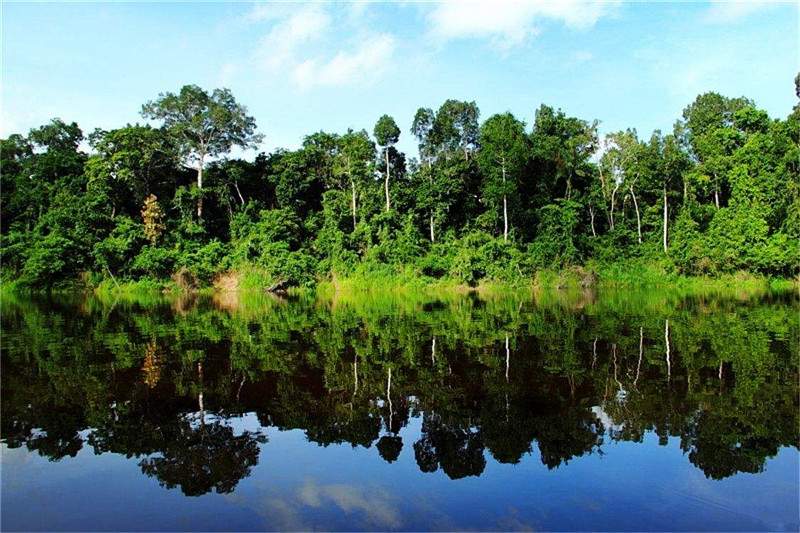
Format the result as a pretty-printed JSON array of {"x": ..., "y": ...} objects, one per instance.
[{"x": 482, "y": 200}]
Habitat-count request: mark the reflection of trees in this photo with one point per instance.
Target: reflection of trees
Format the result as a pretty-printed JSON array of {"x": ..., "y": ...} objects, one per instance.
[
  {"x": 457, "y": 450},
  {"x": 564, "y": 435},
  {"x": 495, "y": 375},
  {"x": 390, "y": 447},
  {"x": 200, "y": 457}
]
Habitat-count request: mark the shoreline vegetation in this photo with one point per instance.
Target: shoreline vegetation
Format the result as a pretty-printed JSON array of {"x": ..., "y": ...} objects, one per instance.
[
  {"x": 485, "y": 205},
  {"x": 575, "y": 280}
]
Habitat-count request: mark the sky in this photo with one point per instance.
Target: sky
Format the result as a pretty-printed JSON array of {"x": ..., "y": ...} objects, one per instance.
[{"x": 305, "y": 67}]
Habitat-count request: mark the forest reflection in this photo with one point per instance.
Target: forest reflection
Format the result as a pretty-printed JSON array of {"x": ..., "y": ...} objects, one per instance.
[{"x": 508, "y": 378}]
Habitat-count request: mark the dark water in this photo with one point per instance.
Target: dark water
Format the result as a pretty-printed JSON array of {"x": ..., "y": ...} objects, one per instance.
[{"x": 618, "y": 411}]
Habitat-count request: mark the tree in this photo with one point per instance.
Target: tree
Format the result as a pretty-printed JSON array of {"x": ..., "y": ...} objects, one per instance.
[
  {"x": 624, "y": 156},
  {"x": 562, "y": 147},
  {"x": 205, "y": 125},
  {"x": 422, "y": 129},
  {"x": 707, "y": 125},
  {"x": 504, "y": 148},
  {"x": 667, "y": 163},
  {"x": 132, "y": 162},
  {"x": 153, "y": 219},
  {"x": 353, "y": 162},
  {"x": 387, "y": 134}
]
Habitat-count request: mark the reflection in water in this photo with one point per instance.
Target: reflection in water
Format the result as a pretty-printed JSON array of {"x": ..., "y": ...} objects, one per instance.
[{"x": 502, "y": 378}]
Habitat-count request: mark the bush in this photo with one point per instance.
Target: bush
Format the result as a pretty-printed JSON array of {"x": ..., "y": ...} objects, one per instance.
[
  {"x": 154, "y": 262},
  {"x": 115, "y": 253},
  {"x": 554, "y": 245},
  {"x": 47, "y": 261}
]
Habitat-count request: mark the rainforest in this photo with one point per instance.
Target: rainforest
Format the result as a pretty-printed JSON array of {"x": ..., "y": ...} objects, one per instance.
[{"x": 165, "y": 204}]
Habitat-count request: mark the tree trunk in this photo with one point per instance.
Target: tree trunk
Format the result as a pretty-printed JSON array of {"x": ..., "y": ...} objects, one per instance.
[
  {"x": 353, "y": 185},
  {"x": 665, "y": 219},
  {"x": 716, "y": 196},
  {"x": 641, "y": 352},
  {"x": 355, "y": 374},
  {"x": 389, "y": 398},
  {"x": 591, "y": 216},
  {"x": 666, "y": 341},
  {"x": 386, "y": 182},
  {"x": 508, "y": 358},
  {"x": 505, "y": 205},
  {"x": 613, "y": 197},
  {"x": 200, "y": 187},
  {"x": 685, "y": 190},
  {"x": 236, "y": 186},
  {"x": 638, "y": 218},
  {"x": 430, "y": 177}
]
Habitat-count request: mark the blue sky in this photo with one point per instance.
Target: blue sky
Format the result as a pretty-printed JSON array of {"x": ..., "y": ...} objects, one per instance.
[{"x": 302, "y": 67}]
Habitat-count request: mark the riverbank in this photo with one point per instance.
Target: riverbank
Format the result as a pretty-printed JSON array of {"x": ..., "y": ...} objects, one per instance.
[{"x": 576, "y": 278}]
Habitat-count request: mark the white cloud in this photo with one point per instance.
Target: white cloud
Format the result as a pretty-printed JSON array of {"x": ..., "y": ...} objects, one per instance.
[
  {"x": 510, "y": 22},
  {"x": 734, "y": 11},
  {"x": 302, "y": 47},
  {"x": 363, "y": 64},
  {"x": 283, "y": 42}
]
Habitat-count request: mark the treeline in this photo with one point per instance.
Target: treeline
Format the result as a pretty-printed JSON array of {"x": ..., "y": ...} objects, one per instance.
[{"x": 482, "y": 200}]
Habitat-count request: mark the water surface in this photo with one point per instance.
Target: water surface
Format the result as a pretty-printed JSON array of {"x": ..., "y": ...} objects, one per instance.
[{"x": 611, "y": 411}]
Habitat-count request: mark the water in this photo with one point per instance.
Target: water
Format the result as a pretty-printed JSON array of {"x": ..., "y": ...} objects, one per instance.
[{"x": 614, "y": 411}]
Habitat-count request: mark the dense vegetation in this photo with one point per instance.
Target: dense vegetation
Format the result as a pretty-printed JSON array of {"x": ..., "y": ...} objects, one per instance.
[
  {"x": 492, "y": 200},
  {"x": 567, "y": 374}
]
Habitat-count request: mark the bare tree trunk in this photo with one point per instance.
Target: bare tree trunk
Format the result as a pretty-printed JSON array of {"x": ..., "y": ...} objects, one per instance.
[
  {"x": 505, "y": 205},
  {"x": 638, "y": 219},
  {"x": 355, "y": 374},
  {"x": 665, "y": 219},
  {"x": 666, "y": 340},
  {"x": 389, "y": 397},
  {"x": 613, "y": 197},
  {"x": 685, "y": 190},
  {"x": 641, "y": 352},
  {"x": 353, "y": 185},
  {"x": 433, "y": 351},
  {"x": 716, "y": 192},
  {"x": 591, "y": 216},
  {"x": 508, "y": 358},
  {"x": 200, "y": 187},
  {"x": 386, "y": 183},
  {"x": 430, "y": 177},
  {"x": 236, "y": 186}
]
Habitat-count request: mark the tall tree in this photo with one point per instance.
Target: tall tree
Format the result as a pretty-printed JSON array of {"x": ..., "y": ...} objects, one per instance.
[
  {"x": 353, "y": 163},
  {"x": 422, "y": 129},
  {"x": 387, "y": 134},
  {"x": 132, "y": 162},
  {"x": 504, "y": 149},
  {"x": 707, "y": 123},
  {"x": 562, "y": 146},
  {"x": 205, "y": 125}
]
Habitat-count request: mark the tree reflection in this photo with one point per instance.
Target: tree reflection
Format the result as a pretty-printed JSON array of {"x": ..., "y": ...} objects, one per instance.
[
  {"x": 200, "y": 457},
  {"x": 495, "y": 378}
]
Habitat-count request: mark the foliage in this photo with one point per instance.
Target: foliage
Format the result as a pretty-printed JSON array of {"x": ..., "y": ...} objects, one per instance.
[{"x": 482, "y": 201}]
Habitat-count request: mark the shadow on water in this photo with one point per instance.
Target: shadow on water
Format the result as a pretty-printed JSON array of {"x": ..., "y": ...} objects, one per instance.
[{"x": 565, "y": 374}]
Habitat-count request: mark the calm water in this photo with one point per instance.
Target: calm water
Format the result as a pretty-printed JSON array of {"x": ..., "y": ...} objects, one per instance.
[{"x": 621, "y": 411}]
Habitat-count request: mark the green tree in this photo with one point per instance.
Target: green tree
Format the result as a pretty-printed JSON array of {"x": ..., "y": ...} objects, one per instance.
[
  {"x": 353, "y": 163},
  {"x": 205, "y": 125},
  {"x": 387, "y": 134},
  {"x": 503, "y": 153}
]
